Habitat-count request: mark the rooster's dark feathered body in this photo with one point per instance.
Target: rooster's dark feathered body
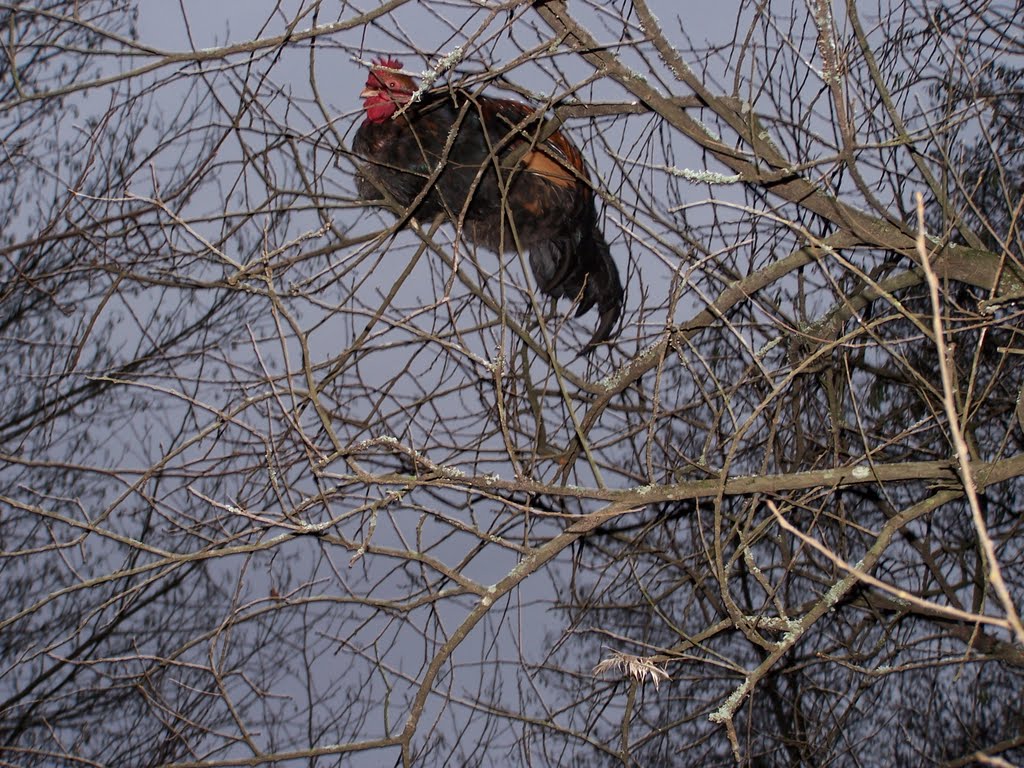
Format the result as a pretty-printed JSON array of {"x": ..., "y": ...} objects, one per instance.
[{"x": 506, "y": 190}]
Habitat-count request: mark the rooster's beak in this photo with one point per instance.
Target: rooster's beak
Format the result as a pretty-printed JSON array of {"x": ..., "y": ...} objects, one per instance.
[{"x": 369, "y": 93}]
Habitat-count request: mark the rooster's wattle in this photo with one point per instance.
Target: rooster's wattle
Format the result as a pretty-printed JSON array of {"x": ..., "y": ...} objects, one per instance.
[{"x": 478, "y": 160}]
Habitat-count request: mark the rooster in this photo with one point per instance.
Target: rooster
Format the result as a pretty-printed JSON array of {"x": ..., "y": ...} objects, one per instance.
[{"x": 484, "y": 164}]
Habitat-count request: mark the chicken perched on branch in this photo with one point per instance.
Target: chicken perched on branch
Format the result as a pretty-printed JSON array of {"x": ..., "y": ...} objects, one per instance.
[{"x": 491, "y": 167}]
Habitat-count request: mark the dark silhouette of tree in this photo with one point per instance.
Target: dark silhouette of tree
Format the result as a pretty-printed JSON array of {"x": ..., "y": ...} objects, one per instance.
[{"x": 287, "y": 478}]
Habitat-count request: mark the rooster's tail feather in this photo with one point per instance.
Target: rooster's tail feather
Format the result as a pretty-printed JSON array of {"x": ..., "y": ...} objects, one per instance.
[{"x": 582, "y": 268}]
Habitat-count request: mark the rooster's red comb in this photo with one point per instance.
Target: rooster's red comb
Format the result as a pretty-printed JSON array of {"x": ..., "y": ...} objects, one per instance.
[{"x": 383, "y": 63}]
